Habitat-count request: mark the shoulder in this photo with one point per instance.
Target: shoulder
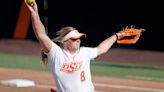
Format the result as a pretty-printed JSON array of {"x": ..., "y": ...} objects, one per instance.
[
  {"x": 90, "y": 52},
  {"x": 54, "y": 48},
  {"x": 83, "y": 47},
  {"x": 88, "y": 49}
]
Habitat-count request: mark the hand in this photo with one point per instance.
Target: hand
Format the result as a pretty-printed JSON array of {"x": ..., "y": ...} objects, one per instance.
[
  {"x": 119, "y": 35},
  {"x": 33, "y": 8}
]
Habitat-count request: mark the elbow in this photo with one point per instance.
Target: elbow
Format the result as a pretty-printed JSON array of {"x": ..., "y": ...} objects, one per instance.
[
  {"x": 105, "y": 51},
  {"x": 102, "y": 51},
  {"x": 41, "y": 36}
]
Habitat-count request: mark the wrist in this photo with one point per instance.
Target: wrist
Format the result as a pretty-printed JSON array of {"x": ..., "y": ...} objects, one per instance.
[{"x": 118, "y": 35}]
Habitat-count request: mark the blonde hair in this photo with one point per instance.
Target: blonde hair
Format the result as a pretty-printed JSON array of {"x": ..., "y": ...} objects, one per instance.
[
  {"x": 60, "y": 34},
  {"x": 44, "y": 58}
]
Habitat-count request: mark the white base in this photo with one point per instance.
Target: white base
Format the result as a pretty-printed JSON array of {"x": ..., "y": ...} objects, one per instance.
[{"x": 18, "y": 83}]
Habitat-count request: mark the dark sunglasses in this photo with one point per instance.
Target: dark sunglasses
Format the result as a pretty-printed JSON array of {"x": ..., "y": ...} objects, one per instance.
[{"x": 72, "y": 39}]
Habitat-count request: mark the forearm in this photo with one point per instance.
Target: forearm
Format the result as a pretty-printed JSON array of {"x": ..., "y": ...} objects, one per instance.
[
  {"x": 105, "y": 45},
  {"x": 38, "y": 27},
  {"x": 40, "y": 33}
]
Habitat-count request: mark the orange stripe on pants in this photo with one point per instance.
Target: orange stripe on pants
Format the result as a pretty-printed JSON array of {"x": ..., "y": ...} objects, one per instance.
[{"x": 22, "y": 23}]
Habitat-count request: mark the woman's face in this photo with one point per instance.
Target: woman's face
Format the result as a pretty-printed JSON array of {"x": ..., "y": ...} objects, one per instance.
[{"x": 73, "y": 44}]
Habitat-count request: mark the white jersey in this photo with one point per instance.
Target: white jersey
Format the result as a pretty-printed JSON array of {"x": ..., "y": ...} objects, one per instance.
[{"x": 72, "y": 72}]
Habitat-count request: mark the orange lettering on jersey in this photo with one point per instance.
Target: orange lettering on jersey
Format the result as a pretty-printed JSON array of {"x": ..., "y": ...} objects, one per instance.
[
  {"x": 82, "y": 76},
  {"x": 71, "y": 67}
]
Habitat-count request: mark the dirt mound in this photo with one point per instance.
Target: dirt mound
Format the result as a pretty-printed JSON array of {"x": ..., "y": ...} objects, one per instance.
[{"x": 44, "y": 81}]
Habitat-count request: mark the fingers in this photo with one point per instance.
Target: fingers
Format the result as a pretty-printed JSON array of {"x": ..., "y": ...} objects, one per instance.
[
  {"x": 32, "y": 7},
  {"x": 29, "y": 6},
  {"x": 30, "y": 3}
]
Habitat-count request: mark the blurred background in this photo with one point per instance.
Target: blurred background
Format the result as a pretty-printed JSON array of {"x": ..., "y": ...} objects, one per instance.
[{"x": 98, "y": 19}]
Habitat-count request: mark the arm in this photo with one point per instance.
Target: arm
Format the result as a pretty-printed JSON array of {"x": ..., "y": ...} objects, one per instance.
[
  {"x": 38, "y": 27},
  {"x": 105, "y": 45}
]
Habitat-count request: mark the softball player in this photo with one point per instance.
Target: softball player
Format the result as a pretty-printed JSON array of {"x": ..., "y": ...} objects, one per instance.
[{"x": 69, "y": 62}]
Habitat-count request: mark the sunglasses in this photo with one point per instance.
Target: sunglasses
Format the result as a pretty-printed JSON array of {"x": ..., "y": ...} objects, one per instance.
[{"x": 72, "y": 39}]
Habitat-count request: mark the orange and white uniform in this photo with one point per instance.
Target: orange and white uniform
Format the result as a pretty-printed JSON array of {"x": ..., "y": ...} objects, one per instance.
[{"x": 72, "y": 72}]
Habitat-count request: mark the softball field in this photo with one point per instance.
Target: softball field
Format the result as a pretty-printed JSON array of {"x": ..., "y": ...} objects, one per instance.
[{"x": 43, "y": 80}]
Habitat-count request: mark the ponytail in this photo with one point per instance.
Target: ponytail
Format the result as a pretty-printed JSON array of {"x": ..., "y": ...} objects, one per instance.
[{"x": 44, "y": 59}]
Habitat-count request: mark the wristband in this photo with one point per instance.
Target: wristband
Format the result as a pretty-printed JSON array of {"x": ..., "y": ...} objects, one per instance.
[{"x": 116, "y": 36}]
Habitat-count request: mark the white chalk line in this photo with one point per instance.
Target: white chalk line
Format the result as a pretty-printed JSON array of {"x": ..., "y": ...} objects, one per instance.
[
  {"x": 113, "y": 86},
  {"x": 129, "y": 87},
  {"x": 145, "y": 78},
  {"x": 44, "y": 86}
]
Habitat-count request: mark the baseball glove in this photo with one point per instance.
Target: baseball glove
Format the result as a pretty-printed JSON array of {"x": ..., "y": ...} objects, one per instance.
[{"x": 129, "y": 35}]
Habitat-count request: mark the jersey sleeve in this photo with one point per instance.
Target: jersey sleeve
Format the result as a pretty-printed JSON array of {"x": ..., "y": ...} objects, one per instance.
[{"x": 54, "y": 52}]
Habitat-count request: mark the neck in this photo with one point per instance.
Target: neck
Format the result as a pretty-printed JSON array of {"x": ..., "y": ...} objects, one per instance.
[{"x": 71, "y": 51}]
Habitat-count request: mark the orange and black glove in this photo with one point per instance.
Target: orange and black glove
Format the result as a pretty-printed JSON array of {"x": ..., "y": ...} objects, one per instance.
[{"x": 129, "y": 35}]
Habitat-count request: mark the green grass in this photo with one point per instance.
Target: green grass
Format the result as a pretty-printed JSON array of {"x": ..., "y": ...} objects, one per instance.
[
  {"x": 21, "y": 61},
  {"x": 142, "y": 72}
]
